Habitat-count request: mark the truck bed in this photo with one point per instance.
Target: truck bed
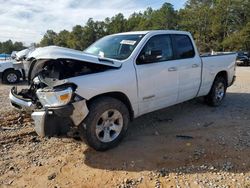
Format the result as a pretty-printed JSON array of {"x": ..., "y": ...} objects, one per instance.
[{"x": 212, "y": 64}]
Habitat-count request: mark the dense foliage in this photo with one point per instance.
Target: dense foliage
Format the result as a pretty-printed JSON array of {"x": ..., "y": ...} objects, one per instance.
[
  {"x": 219, "y": 25},
  {"x": 8, "y": 47}
]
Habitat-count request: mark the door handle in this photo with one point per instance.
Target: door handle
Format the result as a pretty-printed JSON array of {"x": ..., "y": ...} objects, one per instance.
[
  {"x": 195, "y": 65},
  {"x": 171, "y": 69}
]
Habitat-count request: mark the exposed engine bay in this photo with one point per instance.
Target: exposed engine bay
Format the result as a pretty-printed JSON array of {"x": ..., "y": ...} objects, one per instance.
[
  {"x": 64, "y": 68},
  {"x": 49, "y": 77}
]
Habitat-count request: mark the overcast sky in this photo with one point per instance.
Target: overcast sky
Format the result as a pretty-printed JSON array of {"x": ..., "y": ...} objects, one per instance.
[{"x": 28, "y": 20}]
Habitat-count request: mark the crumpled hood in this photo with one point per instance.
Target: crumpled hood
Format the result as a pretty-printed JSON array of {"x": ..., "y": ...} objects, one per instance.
[
  {"x": 20, "y": 55},
  {"x": 56, "y": 52}
]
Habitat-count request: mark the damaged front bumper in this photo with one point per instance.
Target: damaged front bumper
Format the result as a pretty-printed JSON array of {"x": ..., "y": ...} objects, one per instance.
[
  {"x": 19, "y": 102},
  {"x": 50, "y": 121},
  {"x": 58, "y": 120}
]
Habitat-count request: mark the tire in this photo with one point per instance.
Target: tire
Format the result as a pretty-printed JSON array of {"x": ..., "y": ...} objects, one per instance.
[
  {"x": 246, "y": 63},
  {"x": 217, "y": 92},
  {"x": 11, "y": 76},
  {"x": 106, "y": 123}
]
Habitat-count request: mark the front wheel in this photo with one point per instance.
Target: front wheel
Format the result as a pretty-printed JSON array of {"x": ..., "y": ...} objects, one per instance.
[
  {"x": 106, "y": 123},
  {"x": 217, "y": 92}
]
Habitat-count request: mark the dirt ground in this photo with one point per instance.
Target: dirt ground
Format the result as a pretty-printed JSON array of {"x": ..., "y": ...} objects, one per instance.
[{"x": 187, "y": 145}]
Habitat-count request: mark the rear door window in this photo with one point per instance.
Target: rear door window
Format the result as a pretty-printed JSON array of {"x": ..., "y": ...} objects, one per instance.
[{"x": 183, "y": 47}]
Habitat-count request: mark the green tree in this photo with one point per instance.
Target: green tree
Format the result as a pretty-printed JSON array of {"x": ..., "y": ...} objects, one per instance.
[
  {"x": 17, "y": 46},
  {"x": 62, "y": 39},
  {"x": 49, "y": 38},
  {"x": 165, "y": 17},
  {"x": 196, "y": 18},
  {"x": 89, "y": 33},
  {"x": 8, "y": 46},
  {"x": 147, "y": 22},
  {"x": 219, "y": 25},
  {"x": 134, "y": 21},
  {"x": 117, "y": 24},
  {"x": 229, "y": 18},
  {"x": 76, "y": 38},
  {"x": 238, "y": 41}
]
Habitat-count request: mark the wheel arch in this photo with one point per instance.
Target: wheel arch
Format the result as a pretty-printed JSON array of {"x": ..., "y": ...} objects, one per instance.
[
  {"x": 222, "y": 74},
  {"x": 119, "y": 96}
]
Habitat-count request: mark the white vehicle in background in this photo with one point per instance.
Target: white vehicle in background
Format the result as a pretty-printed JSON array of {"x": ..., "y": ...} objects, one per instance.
[
  {"x": 118, "y": 78},
  {"x": 12, "y": 69},
  {"x": 8, "y": 74}
]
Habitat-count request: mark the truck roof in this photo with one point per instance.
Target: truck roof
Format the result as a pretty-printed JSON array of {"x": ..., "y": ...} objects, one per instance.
[{"x": 154, "y": 32}]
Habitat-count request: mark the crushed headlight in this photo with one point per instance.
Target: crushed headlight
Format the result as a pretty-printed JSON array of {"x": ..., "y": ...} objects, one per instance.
[{"x": 54, "y": 97}]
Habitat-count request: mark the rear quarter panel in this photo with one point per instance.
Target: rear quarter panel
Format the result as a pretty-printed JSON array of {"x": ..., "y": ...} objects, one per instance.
[{"x": 212, "y": 65}]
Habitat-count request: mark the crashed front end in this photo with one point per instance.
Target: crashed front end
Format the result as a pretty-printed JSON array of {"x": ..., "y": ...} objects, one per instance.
[
  {"x": 52, "y": 100},
  {"x": 54, "y": 109}
]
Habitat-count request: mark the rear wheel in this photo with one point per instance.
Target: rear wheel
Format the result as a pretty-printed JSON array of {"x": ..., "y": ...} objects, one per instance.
[
  {"x": 11, "y": 76},
  {"x": 217, "y": 92},
  {"x": 106, "y": 123}
]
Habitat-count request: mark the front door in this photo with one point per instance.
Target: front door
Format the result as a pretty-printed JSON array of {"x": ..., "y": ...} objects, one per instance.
[{"x": 157, "y": 74}]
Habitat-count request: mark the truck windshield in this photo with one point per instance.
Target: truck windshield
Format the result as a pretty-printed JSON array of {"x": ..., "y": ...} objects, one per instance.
[{"x": 117, "y": 47}]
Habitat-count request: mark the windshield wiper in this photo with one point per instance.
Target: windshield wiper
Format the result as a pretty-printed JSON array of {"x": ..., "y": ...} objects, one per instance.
[{"x": 106, "y": 60}]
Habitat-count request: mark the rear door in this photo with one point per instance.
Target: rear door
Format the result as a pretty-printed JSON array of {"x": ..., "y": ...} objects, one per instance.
[
  {"x": 189, "y": 67},
  {"x": 157, "y": 74}
]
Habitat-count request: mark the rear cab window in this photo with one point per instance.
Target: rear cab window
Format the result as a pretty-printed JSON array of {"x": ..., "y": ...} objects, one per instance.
[{"x": 183, "y": 46}]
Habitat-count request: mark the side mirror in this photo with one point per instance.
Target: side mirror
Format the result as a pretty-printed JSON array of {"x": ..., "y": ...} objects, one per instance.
[{"x": 150, "y": 56}]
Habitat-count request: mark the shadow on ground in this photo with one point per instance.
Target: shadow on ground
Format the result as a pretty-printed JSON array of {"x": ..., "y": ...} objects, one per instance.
[
  {"x": 186, "y": 135},
  {"x": 21, "y": 83}
]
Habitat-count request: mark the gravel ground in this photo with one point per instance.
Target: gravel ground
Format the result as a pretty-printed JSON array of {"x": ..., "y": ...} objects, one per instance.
[
  {"x": 4, "y": 100},
  {"x": 187, "y": 145}
]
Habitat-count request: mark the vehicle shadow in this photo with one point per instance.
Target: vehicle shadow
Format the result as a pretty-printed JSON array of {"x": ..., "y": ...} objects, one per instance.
[
  {"x": 187, "y": 135},
  {"x": 21, "y": 83}
]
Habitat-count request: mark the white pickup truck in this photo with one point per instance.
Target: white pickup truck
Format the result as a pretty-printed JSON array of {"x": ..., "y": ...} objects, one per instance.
[{"x": 118, "y": 78}]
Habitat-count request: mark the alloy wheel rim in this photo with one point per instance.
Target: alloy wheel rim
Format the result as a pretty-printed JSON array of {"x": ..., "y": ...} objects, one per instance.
[
  {"x": 109, "y": 125},
  {"x": 12, "y": 77},
  {"x": 219, "y": 91}
]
